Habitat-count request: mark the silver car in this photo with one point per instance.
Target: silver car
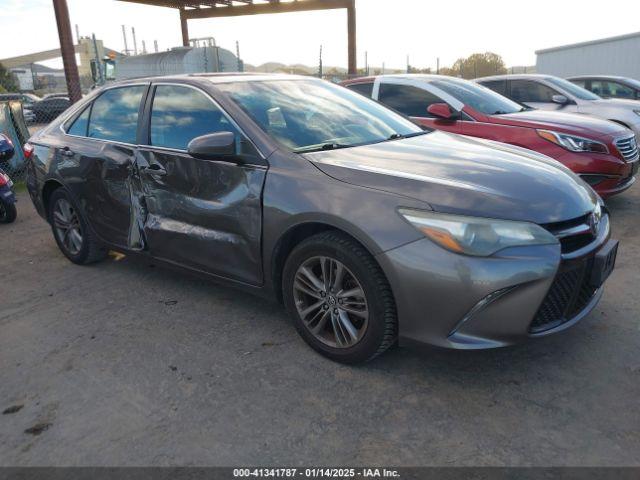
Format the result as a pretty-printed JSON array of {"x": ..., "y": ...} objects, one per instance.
[
  {"x": 547, "y": 92},
  {"x": 367, "y": 228}
]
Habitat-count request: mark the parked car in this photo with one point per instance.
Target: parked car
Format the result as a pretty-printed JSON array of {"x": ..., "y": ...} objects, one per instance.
[
  {"x": 27, "y": 99},
  {"x": 49, "y": 108},
  {"x": 8, "y": 212},
  {"x": 367, "y": 227},
  {"x": 546, "y": 92},
  {"x": 603, "y": 153},
  {"x": 607, "y": 86},
  {"x": 56, "y": 95}
]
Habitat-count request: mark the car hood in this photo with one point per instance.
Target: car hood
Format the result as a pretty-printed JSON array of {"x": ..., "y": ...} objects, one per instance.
[
  {"x": 571, "y": 123},
  {"x": 464, "y": 175}
]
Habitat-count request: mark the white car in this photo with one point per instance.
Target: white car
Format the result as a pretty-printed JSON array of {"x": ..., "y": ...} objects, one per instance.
[{"x": 546, "y": 92}]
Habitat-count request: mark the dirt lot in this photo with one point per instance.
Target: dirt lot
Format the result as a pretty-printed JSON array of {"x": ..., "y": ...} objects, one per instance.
[{"x": 125, "y": 363}]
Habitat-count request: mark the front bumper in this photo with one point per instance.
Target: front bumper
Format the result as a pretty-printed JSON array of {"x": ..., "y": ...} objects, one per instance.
[{"x": 464, "y": 302}]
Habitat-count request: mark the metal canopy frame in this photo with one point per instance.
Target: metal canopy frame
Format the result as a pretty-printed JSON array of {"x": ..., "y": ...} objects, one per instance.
[{"x": 197, "y": 9}]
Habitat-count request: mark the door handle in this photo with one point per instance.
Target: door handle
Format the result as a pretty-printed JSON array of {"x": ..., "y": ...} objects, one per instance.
[
  {"x": 155, "y": 170},
  {"x": 67, "y": 152}
]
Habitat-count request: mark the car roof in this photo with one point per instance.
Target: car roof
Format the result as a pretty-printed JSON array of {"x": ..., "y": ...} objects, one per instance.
[
  {"x": 516, "y": 76},
  {"x": 215, "y": 78},
  {"x": 407, "y": 76},
  {"x": 604, "y": 77}
]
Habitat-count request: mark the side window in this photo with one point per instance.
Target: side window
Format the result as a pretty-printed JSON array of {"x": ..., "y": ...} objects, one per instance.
[
  {"x": 614, "y": 89},
  {"x": 580, "y": 83},
  {"x": 180, "y": 114},
  {"x": 114, "y": 115},
  {"x": 81, "y": 124},
  {"x": 365, "y": 89},
  {"x": 412, "y": 101},
  {"x": 498, "y": 86},
  {"x": 528, "y": 91}
]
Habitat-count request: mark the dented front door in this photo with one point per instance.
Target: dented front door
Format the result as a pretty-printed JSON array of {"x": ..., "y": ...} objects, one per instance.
[{"x": 202, "y": 214}]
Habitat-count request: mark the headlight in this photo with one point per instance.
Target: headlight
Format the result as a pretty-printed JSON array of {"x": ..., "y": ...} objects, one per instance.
[
  {"x": 476, "y": 236},
  {"x": 573, "y": 143}
]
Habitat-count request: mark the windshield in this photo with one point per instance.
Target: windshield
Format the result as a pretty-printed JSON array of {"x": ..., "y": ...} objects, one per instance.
[
  {"x": 481, "y": 99},
  {"x": 307, "y": 115},
  {"x": 573, "y": 89}
]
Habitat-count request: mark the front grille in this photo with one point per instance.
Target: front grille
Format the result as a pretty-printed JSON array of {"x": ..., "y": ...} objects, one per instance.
[
  {"x": 569, "y": 294},
  {"x": 628, "y": 148},
  {"x": 572, "y": 234}
]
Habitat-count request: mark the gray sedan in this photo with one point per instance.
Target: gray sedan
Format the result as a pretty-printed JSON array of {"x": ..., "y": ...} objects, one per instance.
[
  {"x": 547, "y": 92},
  {"x": 370, "y": 230}
]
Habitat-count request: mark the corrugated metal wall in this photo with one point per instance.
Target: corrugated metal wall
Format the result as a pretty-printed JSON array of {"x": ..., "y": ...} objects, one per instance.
[{"x": 618, "y": 56}]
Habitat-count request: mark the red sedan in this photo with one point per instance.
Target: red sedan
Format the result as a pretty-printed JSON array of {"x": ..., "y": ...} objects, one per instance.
[{"x": 603, "y": 153}]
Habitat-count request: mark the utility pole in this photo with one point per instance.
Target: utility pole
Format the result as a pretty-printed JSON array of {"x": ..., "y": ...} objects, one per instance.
[
  {"x": 68, "y": 51},
  {"x": 144, "y": 48},
  {"x": 366, "y": 62},
  {"x": 77, "y": 35},
  {"x": 408, "y": 65},
  {"x": 155, "y": 46},
  {"x": 135, "y": 44},
  {"x": 438, "y": 66},
  {"x": 320, "y": 63},
  {"x": 240, "y": 69},
  {"x": 124, "y": 35},
  {"x": 382, "y": 68},
  {"x": 98, "y": 61}
]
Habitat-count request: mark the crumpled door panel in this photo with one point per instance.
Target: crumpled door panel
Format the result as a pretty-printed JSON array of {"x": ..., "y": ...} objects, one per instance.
[{"x": 203, "y": 214}]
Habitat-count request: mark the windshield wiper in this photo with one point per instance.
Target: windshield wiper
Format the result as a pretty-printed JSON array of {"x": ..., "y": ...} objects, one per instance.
[
  {"x": 320, "y": 148},
  {"x": 397, "y": 136}
]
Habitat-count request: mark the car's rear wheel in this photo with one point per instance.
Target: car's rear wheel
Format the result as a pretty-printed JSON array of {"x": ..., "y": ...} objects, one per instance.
[
  {"x": 8, "y": 212},
  {"x": 71, "y": 232},
  {"x": 339, "y": 298}
]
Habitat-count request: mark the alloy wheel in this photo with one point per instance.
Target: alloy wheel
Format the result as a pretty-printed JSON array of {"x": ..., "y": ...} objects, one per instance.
[
  {"x": 331, "y": 302},
  {"x": 67, "y": 226}
]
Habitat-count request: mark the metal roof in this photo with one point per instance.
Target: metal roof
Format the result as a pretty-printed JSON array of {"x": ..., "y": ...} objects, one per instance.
[
  {"x": 589, "y": 43},
  {"x": 208, "y": 4}
]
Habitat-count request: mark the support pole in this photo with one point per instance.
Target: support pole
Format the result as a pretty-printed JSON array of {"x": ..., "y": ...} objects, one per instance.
[
  {"x": 351, "y": 33},
  {"x": 185, "y": 28},
  {"x": 67, "y": 50}
]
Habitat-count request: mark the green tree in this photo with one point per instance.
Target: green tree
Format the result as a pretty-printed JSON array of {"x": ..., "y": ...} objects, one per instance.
[
  {"x": 7, "y": 80},
  {"x": 480, "y": 65}
]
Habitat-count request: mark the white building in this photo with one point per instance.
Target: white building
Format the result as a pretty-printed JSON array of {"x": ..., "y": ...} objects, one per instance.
[{"x": 609, "y": 56}]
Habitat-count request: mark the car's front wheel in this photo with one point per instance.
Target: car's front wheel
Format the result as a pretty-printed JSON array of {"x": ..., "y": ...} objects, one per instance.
[
  {"x": 339, "y": 298},
  {"x": 71, "y": 232}
]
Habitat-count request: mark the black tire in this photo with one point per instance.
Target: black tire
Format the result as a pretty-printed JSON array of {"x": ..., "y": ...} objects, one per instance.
[
  {"x": 91, "y": 250},
  {"x": 8, "y": 212},
  {"x": 382, "y": 324}
]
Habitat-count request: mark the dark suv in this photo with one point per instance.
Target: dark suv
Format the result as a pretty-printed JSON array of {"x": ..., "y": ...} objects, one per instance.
[{"x": 368, "y": 228}]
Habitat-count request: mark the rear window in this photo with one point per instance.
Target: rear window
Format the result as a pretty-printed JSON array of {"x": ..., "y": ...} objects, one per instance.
[
  {"x": 365, "y": 89},
  {"x": 114, "y": 115}
]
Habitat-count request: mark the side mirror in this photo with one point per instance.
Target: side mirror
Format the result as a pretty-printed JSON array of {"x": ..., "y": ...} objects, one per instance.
[
  {"x": 441, "y": 110},
  {"x": 214, "y": 146},
  {"x": 560, "y": 99}
]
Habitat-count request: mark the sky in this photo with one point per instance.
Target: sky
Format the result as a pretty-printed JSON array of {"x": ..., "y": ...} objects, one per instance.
[{"x": 388, "y": 30}]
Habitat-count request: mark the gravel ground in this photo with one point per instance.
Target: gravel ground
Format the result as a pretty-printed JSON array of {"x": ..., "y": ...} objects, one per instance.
[{"x": 126, "y": 363}]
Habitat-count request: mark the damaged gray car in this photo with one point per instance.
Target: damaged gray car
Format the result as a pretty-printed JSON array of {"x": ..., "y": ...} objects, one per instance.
[{"x": 370, "y": 230}]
